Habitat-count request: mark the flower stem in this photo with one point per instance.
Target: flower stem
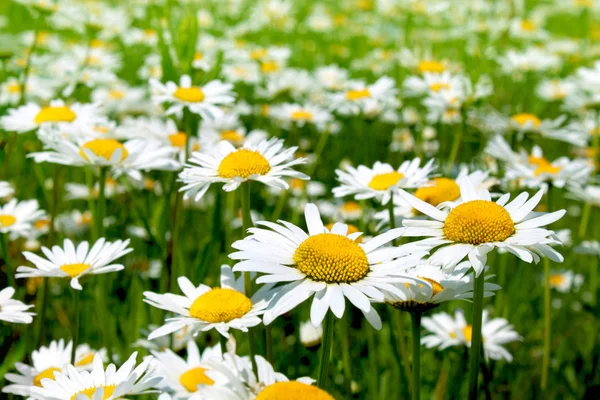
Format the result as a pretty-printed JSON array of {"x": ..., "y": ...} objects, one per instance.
[
  {"x": 6, "y": 255},
  {"x": 76, "y": 316},
  {"x": 223, "y": 342},
  {"x": 100, "y": 209},
  {"x": 41, "y": 307},
  {"x": 476, "y": 337},
  {"x": 325, "y": 350},
  {"x": 585, "y": 217},
  {"x": 416, "y": 364},
  {"x": 454, "y": 151},
  {"x": 547, "y": 325}
]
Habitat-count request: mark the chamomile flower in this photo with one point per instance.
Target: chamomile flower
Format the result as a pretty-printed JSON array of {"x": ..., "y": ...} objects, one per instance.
[
  {"x": 300, "y": 115},
  {"x": 182, "y": 376},
  {"x": 203, "y": 100},
  {"x": 100, "y": 383},
  {"x": 12, "y": 310},
  {"x": 447, "y": 331},
  {"x": 17, "y": 217},
  {"x": 6, "y": 189},
  {"x": 76, "y": 262},
  {"x": 75, "y": 118},
  {"x": 565, "y": 281},
  {"x": 415, "y": 86},
  {"x": 44, "y": 363},
  {"x": 477, "y": 225},
  {"x": 84, "y": 356},
  {"x": 586, "y": 193},
  {"x": 265, "y": 162},
  {"x": 382, "y": 180},
  {"x": 433, "y": 286},
  {"x": 359, "y": 97},
  {"x": 328, "y": 264},
  {"x": 202, "y": 308}
]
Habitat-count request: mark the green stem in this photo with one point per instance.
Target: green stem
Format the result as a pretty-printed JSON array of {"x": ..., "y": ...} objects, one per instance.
[
  {"x": 325, "y": 350},
  {"x": 54, "y": 205},
  {"x": 223, "y": 342},
  {"x": 75, "y": 328},
  {"x": 402, "y": 344},
  {"x": 318, "y": 151},
  {"x": 100, "y": 209},
  {"x": 269, "y": 343},
  {"x": 347, "y": 363},
  {"x": 41, "y": 310},
  {"x": 6, "y": 255},
  {"x": 28, "y": 62},
  {"x": 476, "y": 337},
  {"x": 454, "y": 151},
  {"x": 585, "y": 217},
  {"x": 416, "y": 364}
]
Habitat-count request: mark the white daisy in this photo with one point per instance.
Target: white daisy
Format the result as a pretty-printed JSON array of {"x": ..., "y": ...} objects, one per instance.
[
  {"x": 12, "y": 310},
  {"x": 310, "y": 335},
  {"x": 447, "y": 331},
  {"x": 17, "y": 217},
  {"x": 296, "y": 114},
  {"x": 586, "y": 193},
  {"x": 84, "y": 356},
  {"x": 264, "y": 161},
  {"x": 74, "y": 119},
  {"x": 477, "y": 225},
  {"x": 362, "y": 98},
  {"x": 202, "y": 308},
  {"x": 76, "y": 262},
  {"x": 99, "y": 383},
  {"x": 382, "y": 180},
  {"x": 330, "y": 265},
  {"x": 564, "y": 280},
  {"x": 203, "y": 100},
  {"x": 6, "y": 189}
]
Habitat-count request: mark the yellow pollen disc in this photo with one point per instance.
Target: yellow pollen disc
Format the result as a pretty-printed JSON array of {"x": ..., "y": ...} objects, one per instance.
[
  {"x": 467, "y": 332},
  {"x": 178, "y": 139},
  {"x": 45, "y": 374},
  {"x": 351, "y": 229},
  {"x": 257, "y": 54},
  {"x": 7, "y": 220},
  {"x": 243, "y": 163},
  {"x": 443, "y": 189},
  {"x": 528, "y": 25},
  {"x": 556, "y": 279},
  {"x": 436, "y": 286},
  {"x": 85, "y": 360},
  {"x": 351, "y": 206},
  {"x": 301, "y": 115},
  {"x": 74, "y": 269},
  {"x": 108, "y": 391},
  {"x": 354, "y": 95},
  {"x": 231, "y": 136},
  {"x": 269, "y": 66},
  {"x": 198, "y": 56},
  {"x": 220, "y": 305},
  {"x": 41, "y": 224},
  {"x": 191, "y": 95},
  {"x": 524, "y": 118},
  {"x": 477, "y": 222},
  {"x": 14, "y": 88},
  {"x": 103, "y": 148},
  {"x": 293, "y": 391},
  {"x": 385, "y": 181},
  {"x": 436, "y": 87},
  {"x": 431, "y": 66},
  {"x": 116, "y": 94},
  {"x": 55, "y": 114},
  {"x": 194, "y": 377},
  {"x": 331, "y": 258},
  {"x": 543, "y": 166}
]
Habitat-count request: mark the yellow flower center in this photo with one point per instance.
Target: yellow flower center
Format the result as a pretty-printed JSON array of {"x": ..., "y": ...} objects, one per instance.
[
  {"x": 74, "y": 269},
  {"x": 543, "y": 166},
  {"x": 269, "y": 66},
  {"x": 557, "y": 279},
  {"x": 351, "y": 229},
  {"x": 354, "y": 95},
  {"x": 431, "y": 66},
  {"x": 103, "y": 148},
  {"x": 301, "y": 115},
  {"x": 198, "y": 56},
  {"x": 436, "y": 87},
  {"x": 331, "y": 258},
  {"x": 85, "y": 360},
  {"x": 54, "y": 114},
  {"x": 108, "y": 391},
  {"x": 467, "y": 332},
  {"x": 435, "y": 285},
  {"x": 351, "y": 206},
  {"x": 243, "y": 163},
  {"x": 477, "y": 222},
  {"x": 191, "y": 95},
  {"x": 231, "y": 136},
  {"x": 443, "y": 189},
  {"x": 220, "y": 305},
  {"x": 116, "y": 94},
  {"x": 194, "y": 377},
  {"x": 293, "y": 391},
  {"x": 14, "y": 88},
  {"x": 523, "y": 119},
  {"x": 528, "y": 25},
  {"x": 257, "y": 54},
  {"x": 7, "y": 220},
  {"x": 41, "y": 224},
  {"x": 45, "y": 374},
  {"x": 386, "y": 180},
  {"x": 178, "y": 139}
]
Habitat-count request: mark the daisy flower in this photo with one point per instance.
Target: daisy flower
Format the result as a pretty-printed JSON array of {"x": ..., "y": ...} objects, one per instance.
[
  {"x": 264, "y": 162},
  {"x": 84, "y": 356},
  {"x": 433, "y": 286},
  {"x": 201, "y": 100},
  {"x": 328, "y": 264},
  {"x": 447, "y": 331},
  {"x": 44, "y": 363},
  {"x": 477, "y": 225},
  {"x": 360, "y": 97},
  {"x": 586, "y": 193},
  {"x": 12, "y": 310},
  {"x": 300, "y": 115},
  {"x": 202, "y": 308},
  {"x": 6, "y": 189},
  {"x": 100, "y": 383},
  {"x": 564, "y": 280},
  {"x": 17, "y": 217},
  {"x": 75, "y": 118},
  {"x": 382, "y": 180},
  {"x": 129, "y": 158},
  {"x": 183, "y": 376},
  {"x": 310, "y": 336},
  {"x": 75, "y": 262}
]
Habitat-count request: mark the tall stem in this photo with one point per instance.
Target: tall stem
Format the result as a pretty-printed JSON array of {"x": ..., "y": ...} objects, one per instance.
[
  {"x": 583, "y": 223},
  {"x": 76, "y": 316},
  {"x": 6, "y": 255},
  {"x": 476, "y": 336},
  {"x": 325, "y": 350},
  {"x": 28, "y": 62},
  {"x": 416, "y": 364},
  {"x": 41, "y": 307},
  {"x": 454, "y": 152},
  {"x": 100, "y": 209},
  {"x": 346, "y": 359}
]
